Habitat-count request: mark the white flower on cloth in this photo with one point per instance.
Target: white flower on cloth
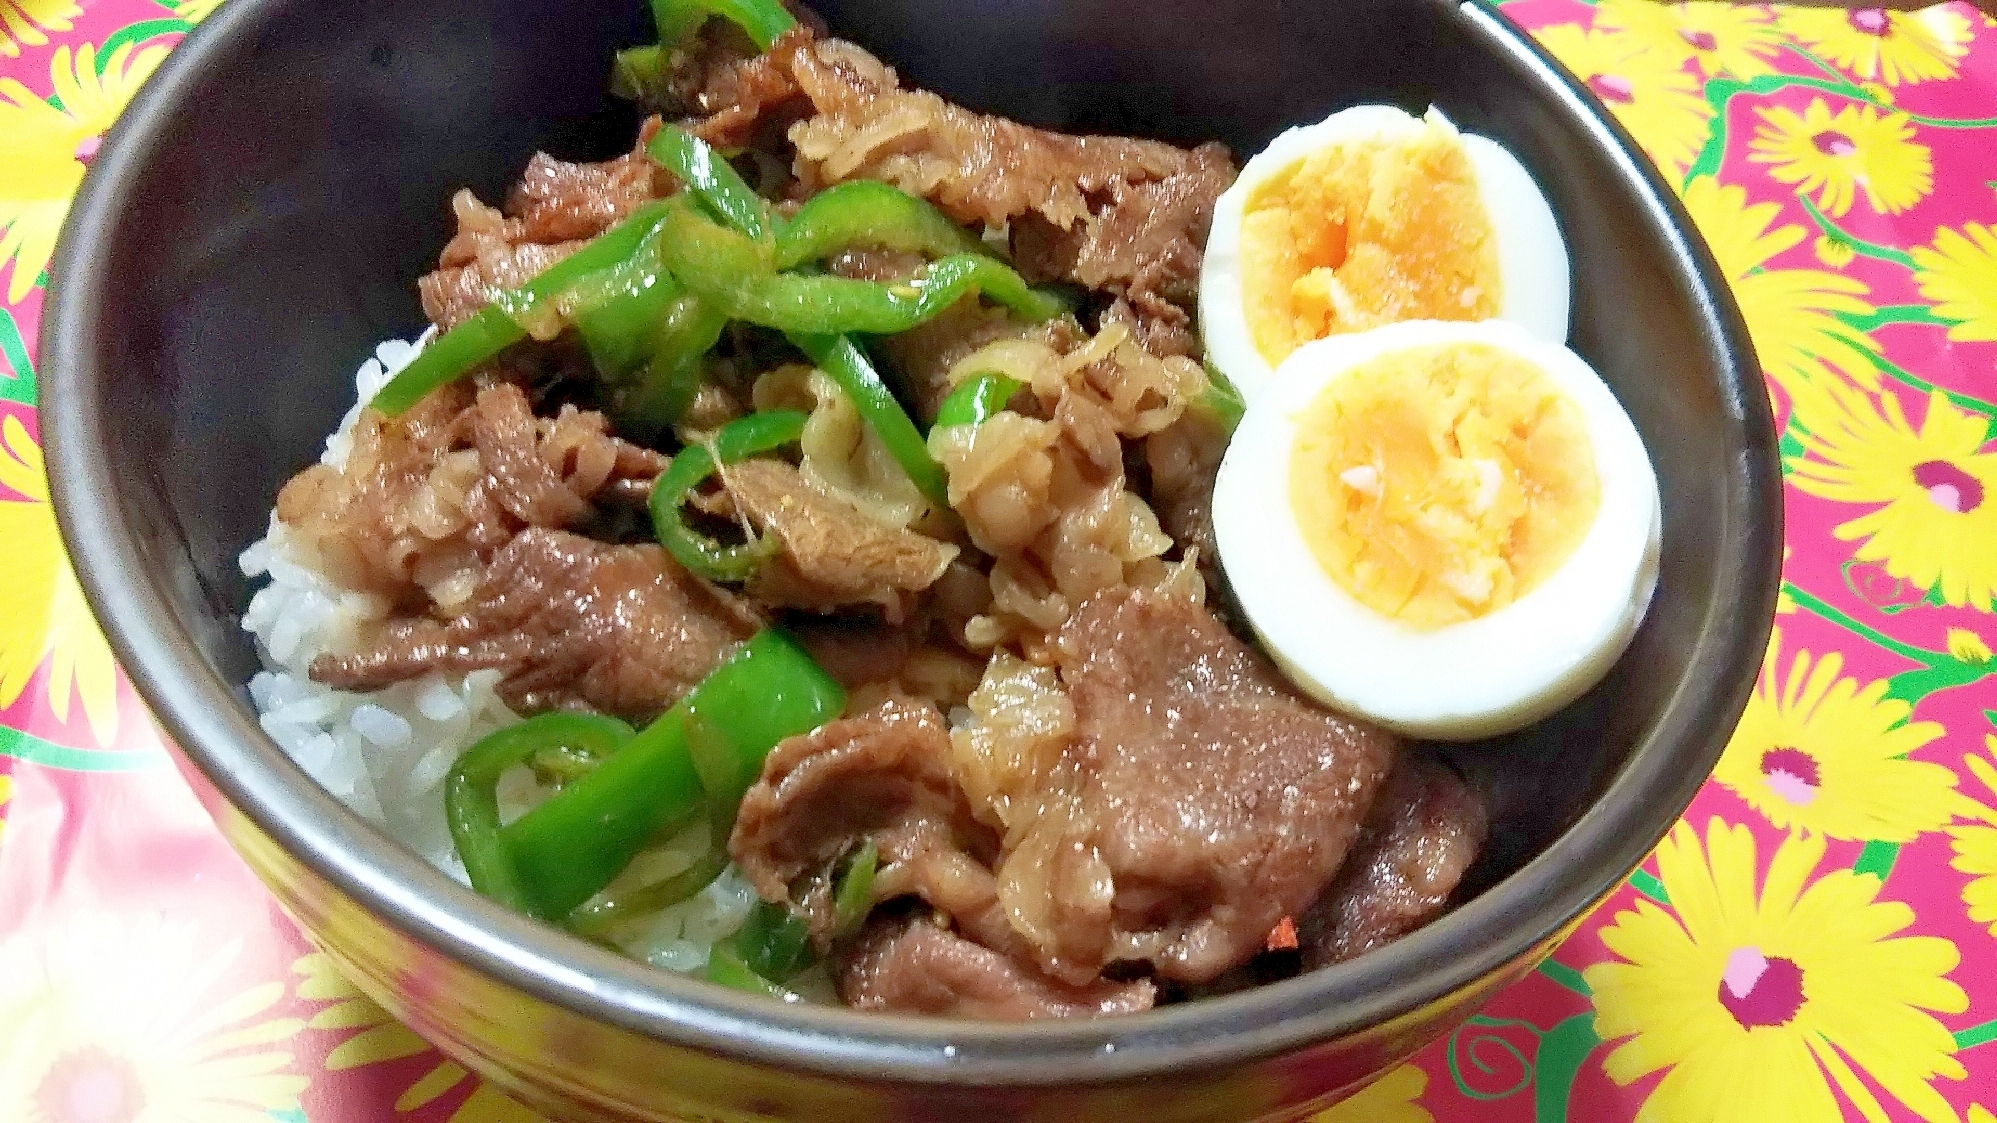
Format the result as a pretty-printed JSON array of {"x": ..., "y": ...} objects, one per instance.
[{"x": 138, "y": 1019}]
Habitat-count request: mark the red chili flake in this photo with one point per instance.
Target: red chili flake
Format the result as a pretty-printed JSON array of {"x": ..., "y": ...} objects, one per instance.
[{"x": 1283, "y": 937}]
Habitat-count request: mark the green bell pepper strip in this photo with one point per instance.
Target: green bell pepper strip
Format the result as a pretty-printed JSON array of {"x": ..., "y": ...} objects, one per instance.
[
  {"x": 471, "y": 803},
  {"x": 726, "y": 966},
  {"x": 569, "y": 847},
  {"x": 639, "y": 73},
  {"x": 561, "y": 764},
  {"x": 713, "y": 179},
  {"x": 1221, "y": 399},
  {"x": 597, "y": 917},
  {"x": 744, "y": 436},
  {"x": 496, "y": 326},
  {"x": 853, "y": 893},
  {"x": 686, "y": 331},
  {"x": 847, "y": 365},
  {"x": 763, "y": 20},
  {"x": 619, "y": 326},
  {"x": 737, "y": 273},
  {"x": 866, "y": 212},
  {"x": 976, "y": 399},
  {"x": 774, "y": 942}
]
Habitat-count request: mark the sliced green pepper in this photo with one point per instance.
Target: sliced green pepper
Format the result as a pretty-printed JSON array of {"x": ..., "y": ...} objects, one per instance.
[
  {"x": 744, "y": 436},
  {"x": 774, "y": 941},
  {"x": 976, "y": 399},
  {"x": 496, "y": 326},
  {"x": 596, "y": 917},
  {"x": 853, "y": 894},
  {"x": 619, "y": 326},
  {"x": 471, "y": 802},
  {"x": 569, "y": 847},
  {"x": 847, "y": 365},
  {"x": 686, "y": 331},
  {"x": 1221, "y": 399},
  {"x": 561, "y": 764},
  {"x": 713, "y": 179},
  {"x": 726, "y": 967},
  {"x": 763, "y": 20},
  {"x": 737, "y": 273},
  {"x": 866, "y": 212},
  {"x": 640, "y": 73}
]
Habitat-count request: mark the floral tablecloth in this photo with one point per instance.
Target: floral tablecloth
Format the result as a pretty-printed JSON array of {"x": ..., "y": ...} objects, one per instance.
[{"x": 1816, "y": 941}]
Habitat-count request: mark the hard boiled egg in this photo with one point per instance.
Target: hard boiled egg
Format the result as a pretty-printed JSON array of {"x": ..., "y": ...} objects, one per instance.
[
  {"x": 1449, "y": 528},
  {"x": 1370, "y": 217}
]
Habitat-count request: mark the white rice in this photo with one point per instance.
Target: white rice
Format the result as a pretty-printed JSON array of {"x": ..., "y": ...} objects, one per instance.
[{"x": 386, "y": 753}]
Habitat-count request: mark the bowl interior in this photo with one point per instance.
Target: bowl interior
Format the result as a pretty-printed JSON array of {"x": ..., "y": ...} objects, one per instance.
[{"x": 260, "y": 218}]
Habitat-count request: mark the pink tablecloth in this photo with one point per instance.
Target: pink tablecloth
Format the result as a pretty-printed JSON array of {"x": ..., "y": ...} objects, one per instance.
[{"x": 1814, "y": 942}]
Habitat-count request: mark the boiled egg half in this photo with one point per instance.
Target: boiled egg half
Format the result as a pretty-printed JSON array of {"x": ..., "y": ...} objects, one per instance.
[
  {"x": 1449, "y": 528},
  {"x": 1370, "y": 217}
]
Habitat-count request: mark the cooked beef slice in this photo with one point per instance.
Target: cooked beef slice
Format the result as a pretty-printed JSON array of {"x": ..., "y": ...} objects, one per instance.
[
  {"x": 1182, "y": 460},
  {"x": 730, "y": 98},
  {"x": 425, "y": 499},
  {"x": 833, "y": 552},
  {"x": 1117, "y": 215},
  {"x": 1144, "y": 246},
  {"x": 554, "y": 209},
  {"x": 883, "y": 774},
  {"x": 569, "y": 621},
  {"x": 914, "y": 967},
  {"x": 1199, "y": 802},
  {"x": 1124, "y": 217},
  {"x": 977, "y": 168},
  {"x": 1424, "y": 832}
]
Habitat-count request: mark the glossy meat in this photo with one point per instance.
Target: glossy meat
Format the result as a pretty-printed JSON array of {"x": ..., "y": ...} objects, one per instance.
[
  {"x": 1200, "y": 801},
  {"x": 833, "y": 553},
  {"x": 1121, "y": 216},
  {"x": 883, "y": 774},
  {"x": 915, "y": 967},
  {"x": 1144, "y": 246},
  {"x": 569, "y": 621},
  {"x": 1425, "y": 830},
  {"x": 424, "y": 500},
  {"x": 552, "y": 211}
]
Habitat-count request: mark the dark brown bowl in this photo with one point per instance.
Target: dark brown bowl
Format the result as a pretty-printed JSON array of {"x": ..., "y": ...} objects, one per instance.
[{"x": 258, "y": 219}]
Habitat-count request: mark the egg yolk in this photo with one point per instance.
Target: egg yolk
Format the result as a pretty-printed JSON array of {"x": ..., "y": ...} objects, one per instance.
[
  {"x": 1367, "y": 233},
  {"x": 1437, "y": 484}
]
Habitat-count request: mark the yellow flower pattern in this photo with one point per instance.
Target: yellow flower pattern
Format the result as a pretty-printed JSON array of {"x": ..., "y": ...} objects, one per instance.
[
  {"x": 1935, "y": 487},
  {"x": 26, "y": 23},
  {"x": 380, "y": 1038},
  {"x": 1959, "y": 273},
  {"x": 1975, "y": 842},
  {"x": 1967, "y": 646},
  {"x": 1793, "y": 314},
  {"x": 47, "y": 621},
  {"x": 1757, "y": 996},
  {"x": 1880, "y": 44},
  {"x": 1655, "y": 98},
  {"x": 48, "y": 147},
  {"x": 1767, "y": 971},
  {"x": 1819, "y": 753},
  {"x": 1839, "y": 155},
  {"x": 138, "y": 1019},
  {"x": 1718, "y": 38},
  {"x": 194, "y": 11}
]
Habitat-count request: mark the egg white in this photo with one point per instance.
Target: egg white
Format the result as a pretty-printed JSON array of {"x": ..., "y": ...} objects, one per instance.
[
  {"x": 1533, "y": 267},
  {"x": 1463, "y": 681}
]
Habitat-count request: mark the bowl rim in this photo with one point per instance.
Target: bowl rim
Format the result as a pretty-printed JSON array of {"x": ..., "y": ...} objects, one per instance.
[{"x": 1518, "y": 918}]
